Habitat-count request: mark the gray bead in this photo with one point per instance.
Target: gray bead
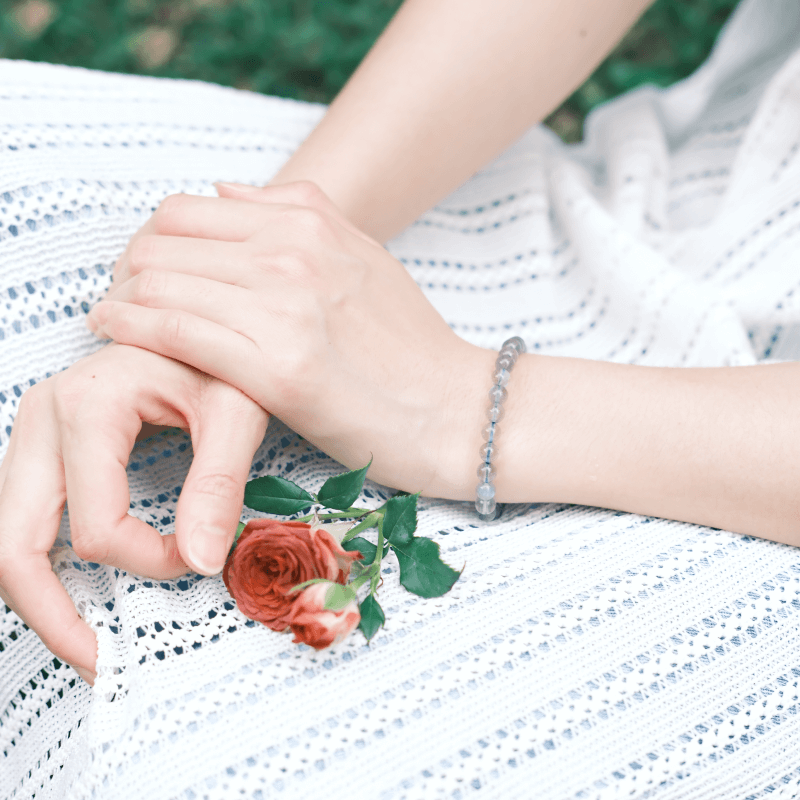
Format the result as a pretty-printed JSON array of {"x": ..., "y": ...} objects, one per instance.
[
  {"x": 488, "y": 452},
  {"x": 504, "y": 361},
  {"x": 517, "y": 343},
  {"x": 496, "y": 413},
  {"x": 501, "y": 377},
  {"x": 509, "y": 352},
  {"x": 498, "y": 394},
  {"x": 489, "y": 432},
  {"x": 486, "y": 508},
  {"x": 486, "y": 491},
  {"x": 486, "y": 472}
]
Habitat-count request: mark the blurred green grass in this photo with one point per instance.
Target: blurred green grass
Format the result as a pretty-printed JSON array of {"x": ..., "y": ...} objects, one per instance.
[{"x": 306, "y": 49}]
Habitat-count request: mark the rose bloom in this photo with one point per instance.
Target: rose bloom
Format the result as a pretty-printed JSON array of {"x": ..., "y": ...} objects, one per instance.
[
  {"x": 317, "y": 626},
  {"x": 271, "y": 557}
]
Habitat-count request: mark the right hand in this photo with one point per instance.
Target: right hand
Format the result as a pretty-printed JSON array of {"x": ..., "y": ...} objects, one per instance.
[{"x": 71, "y": 440}]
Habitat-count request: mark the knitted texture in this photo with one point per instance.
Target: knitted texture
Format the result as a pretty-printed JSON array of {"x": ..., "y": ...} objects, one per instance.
[{"x": 584, "y": 653}]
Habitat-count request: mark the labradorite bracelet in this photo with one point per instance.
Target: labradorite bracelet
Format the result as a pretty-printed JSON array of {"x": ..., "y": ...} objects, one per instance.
[{"x": 485, "y": 503}]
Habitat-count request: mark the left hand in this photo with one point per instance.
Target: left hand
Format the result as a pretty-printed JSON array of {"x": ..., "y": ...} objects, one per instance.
[{"x": 314, "y": 321}]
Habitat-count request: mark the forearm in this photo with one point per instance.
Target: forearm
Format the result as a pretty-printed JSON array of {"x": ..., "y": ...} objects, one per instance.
[
  {"x": 448, "y": 86},
  {"x": 718, "y": 447}
]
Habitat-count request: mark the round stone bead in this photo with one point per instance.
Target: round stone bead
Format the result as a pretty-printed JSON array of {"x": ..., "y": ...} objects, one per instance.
[
  {"x": 508, "y": 352},
  {"x": 498, "y": 394},
  {"x": 486, "y": 472},
  {"x": 505, "y": 361},
  {"x": 486, "y": 509},
  {"x": 488, "y": 452},
  {"x": 495, "y": 413},
  {"x": 486, "y": 491},
  {"x": 501, "y": 377},
  {"x": 517, "y": 343},
  {"x": 490, "y": 431}
]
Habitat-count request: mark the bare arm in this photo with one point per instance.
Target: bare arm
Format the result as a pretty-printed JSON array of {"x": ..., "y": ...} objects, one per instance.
[
  {"x": 448, "y": 86},
  {"x": 715, "y": 446}
]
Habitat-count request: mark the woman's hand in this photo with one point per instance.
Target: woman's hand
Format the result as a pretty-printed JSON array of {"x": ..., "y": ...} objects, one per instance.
[
  {"x": 300, "y": 193},
  {"x": 315, "y": 322},
  {"x": 71, "y": 441}
]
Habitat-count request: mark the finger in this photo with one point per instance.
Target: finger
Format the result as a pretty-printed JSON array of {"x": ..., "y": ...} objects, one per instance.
[
  {"x": 206, "y": 346},
  {"x": 234, "y": 219},
  {"x": 97, "y": 439},
  {"x": 121, "y": 266},
  {"x": 225, "y": 437},
  {"x": 298, "y": 193},
  {"x": 213, "y": 217},
  {"x": 34, "y": 593},
  {"x": 215, "y": 301},
  {"x": 31, "y": 504},
  {"x": 197, "y": 217},
  {"x": 222, "y": 261}
]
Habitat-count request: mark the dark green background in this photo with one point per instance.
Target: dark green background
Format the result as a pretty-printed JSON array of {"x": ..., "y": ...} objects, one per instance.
[{"x": 307, "y": 48}]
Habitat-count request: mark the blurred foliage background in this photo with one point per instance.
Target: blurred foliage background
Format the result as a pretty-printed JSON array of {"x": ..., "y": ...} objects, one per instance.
[{"x": 306, "y": 49}]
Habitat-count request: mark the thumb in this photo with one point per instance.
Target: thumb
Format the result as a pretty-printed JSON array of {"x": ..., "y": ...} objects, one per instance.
[{"x": 225, "y": 436}]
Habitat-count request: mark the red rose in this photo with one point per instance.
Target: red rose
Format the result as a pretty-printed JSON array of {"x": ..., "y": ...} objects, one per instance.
[
  {"x": 271, "y": 557},
  {"x": 317, "y": 626}
]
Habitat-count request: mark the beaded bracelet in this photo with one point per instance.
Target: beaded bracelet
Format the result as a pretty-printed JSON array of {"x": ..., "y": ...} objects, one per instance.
[{"x": 485, "y": 504}]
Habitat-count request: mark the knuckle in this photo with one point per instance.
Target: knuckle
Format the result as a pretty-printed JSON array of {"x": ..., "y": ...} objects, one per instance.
[
  {"x": 141, "y": 254},
  {"x": 296, "y": 267},
  {"x": 60, "y": 642},
  {"x": 236, "y": 406},
  {"x": 150, "y": 287},
  {"x": 173, "y": 330},
  {"x": 89, "y": 546},
  {"x": 169, "y": 209},
  {"x": 308, "y": 223},
  {"x": 307, "y": 193},
  {"x": 261, "y": 261},
  {"x": 35, "y": 399},
  {"x": 219, "y": 485}
]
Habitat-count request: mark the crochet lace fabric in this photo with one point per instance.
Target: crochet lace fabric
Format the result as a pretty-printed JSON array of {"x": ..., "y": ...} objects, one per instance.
[{"x": 584, "y": 653}]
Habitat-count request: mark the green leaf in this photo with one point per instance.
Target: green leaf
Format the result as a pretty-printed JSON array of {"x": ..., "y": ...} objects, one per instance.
[
  {"x": 422, "y": 571},
  {"x": 341, "y": 491},
  {"x": 372, "y": 616},
  {"x": 276, "y": 495},
  {"x": 400, "y": 520},
  {"x": 338, "y": 597},
  {"x": 367, "y": 549}
]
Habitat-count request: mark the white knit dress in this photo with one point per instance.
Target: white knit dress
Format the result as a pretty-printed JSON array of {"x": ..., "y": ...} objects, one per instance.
[{"x": 584, "y": 653}]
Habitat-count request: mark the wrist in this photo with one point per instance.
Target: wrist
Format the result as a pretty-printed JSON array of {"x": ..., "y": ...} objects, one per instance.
[
  {"x": 536, "y": 439},
  {"x": 458, "y": 418}
]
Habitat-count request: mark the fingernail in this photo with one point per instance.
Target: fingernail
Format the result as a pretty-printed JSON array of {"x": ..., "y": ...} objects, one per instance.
[
  {"x": 91, "y": 324},
  {"x": 238, "y": 187},
  {"x": 208, "y": 549},
  {"x": 88, "y": 675}
]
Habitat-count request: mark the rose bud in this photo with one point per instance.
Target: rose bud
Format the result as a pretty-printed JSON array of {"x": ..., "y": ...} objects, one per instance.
[
  {"x": 317, "y": 626},
  {"x": 271, "y": 557}
]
